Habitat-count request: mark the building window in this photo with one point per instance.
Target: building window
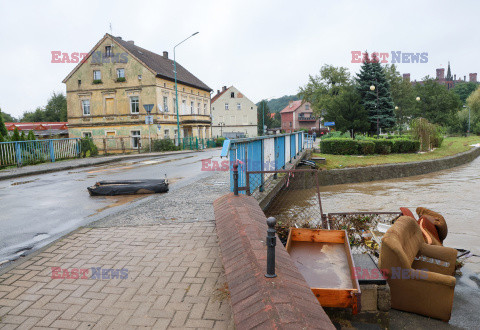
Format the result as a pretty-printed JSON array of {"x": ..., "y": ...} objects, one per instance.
[
  {"x": 87, "y": 135},
  {"x": 307, "y": 106},
  {"x": 86, "y": 107},
  {"x": 198, "y": 108},
  {"x": 166, "y": 134},
  {"x": 108, "y": 51},
  {"x": 175, "y": 105},
  {"x": 290, "y": 124},
  {"x": 239, "y": 106},
  {"x": 204, "y": 108},
  {"x": 135, "y": 139},
  {"x": 232, "y": 95},
  {"x": 120, "y": 73},
  {"x": 139, "y": 77},
  {"x": 184, "y": 107},
  {"x": 165, "y": 104},
  {"x": 226, "y": 106},
  {"x": 191, "y": 108},
  {"x": 79, "y": 82},
  {"x": 134, "y": 105},
  {"x": 97, "y": 75}
]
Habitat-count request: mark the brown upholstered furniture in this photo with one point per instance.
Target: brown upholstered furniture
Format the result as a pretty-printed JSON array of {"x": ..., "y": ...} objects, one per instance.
[
  {"x": 420, "y": 276},
  {"x": 439, "y": 221}
]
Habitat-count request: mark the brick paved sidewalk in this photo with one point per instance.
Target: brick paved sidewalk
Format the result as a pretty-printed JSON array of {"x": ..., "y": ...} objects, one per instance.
[{"x": 175, "y": 280}]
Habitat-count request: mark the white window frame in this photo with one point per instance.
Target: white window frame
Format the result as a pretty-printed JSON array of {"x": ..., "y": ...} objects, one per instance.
[
  {"x": 239, "y": 106},
  {"x": 132, "y": 103},
  {"x": 108, "y": 51},
  {"x": 120, "y": 75},
  {"x": 133, "y": 140},
  {"x": 184, "y": 107},
  {"x": 166, "y": 133},
  {"x": 87, "y": 134},
  {"x": 226, "y": 106},
  {"x": 165, "y": 104},
  {"x": 83, "y": 108},
  {"x": 198, "y": 107},
  {"x": 191, "y": 107},
  {"x": 95, "y": 72},
  {"x": 204, "y": 108}
]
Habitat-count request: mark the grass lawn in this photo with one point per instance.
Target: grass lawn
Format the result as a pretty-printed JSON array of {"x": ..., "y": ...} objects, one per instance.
[{"x": 450, "y": 146}]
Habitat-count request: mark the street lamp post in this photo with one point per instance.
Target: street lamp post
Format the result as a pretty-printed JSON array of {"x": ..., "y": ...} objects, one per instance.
[
  {"x": 263, "y": 109},
  {"x": 400, "y": 119},
  {"x": 221, "y": 124},
  {"x": 176, "y": 89},
  {"x": 372, "y": 88}
]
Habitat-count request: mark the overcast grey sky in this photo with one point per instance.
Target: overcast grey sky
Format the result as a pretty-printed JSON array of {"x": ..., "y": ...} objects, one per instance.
[{"x": 265, "y": 48}]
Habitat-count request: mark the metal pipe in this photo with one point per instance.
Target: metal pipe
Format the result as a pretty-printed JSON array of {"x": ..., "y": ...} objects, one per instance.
[
  {"x": 271, "y": 242},
  {"x": 235, "y": 179}
]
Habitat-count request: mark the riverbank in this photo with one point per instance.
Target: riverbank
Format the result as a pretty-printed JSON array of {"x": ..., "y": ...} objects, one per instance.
[{"x": 451, "y": 146}]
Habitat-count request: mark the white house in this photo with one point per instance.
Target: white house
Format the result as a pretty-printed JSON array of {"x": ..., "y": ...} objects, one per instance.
[{"x": 233, "y": 114}]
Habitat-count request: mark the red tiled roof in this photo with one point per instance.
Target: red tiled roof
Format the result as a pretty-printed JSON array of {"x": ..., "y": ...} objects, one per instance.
[
  {"x": 42, "y": 126},
  {"x": 272, "y": 115},
  {"x": 218, "y": 95},
  {"x": 292, "y": 106}
]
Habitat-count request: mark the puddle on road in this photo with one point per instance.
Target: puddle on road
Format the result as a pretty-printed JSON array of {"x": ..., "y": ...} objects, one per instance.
[
  {"x": 23, "y": 182},
  {"x": 116, "y": 201}
]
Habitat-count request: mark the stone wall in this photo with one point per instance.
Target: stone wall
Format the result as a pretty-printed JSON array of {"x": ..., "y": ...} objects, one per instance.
[{"x": 392, "y": 171}]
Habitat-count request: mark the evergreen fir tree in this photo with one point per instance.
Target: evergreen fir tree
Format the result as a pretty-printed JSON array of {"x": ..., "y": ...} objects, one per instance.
[
  {"x": 23, "y": 137},
  {"x": 16, "y": 135},
  {"x": 31, "y": 136},
  {"x": 3, "y": 129},
  {"x": 371, "y": 73}
]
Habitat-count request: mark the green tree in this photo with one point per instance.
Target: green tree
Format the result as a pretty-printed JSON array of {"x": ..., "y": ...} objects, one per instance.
[
  {"x": 437, "y": 104},
  {"x": 31, "y": 136},
  {"x": 403, "y": 95},
  {"x": 16, "y": 135},
  {"x": 7, "y": 118},
  {"x": 473, "y": 102},
  {"x": 378, "y": 103},
  {"x": 34, "y": 117},
  {"x": 263, "y": 111},
  {"x": 23, "y": 137},
  {"x": 322, "y": 89},
  {"x": 3, "y": 129},
  {"x": 464, "y": 89},
  {"x": 56, "y": 108},
  {"x": 278, "y": 104},
  {"x": 347, "y": 112}
]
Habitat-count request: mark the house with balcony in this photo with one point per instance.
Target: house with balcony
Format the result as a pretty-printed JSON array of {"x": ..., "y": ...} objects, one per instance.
[
  {"x": 233, "y": 114},
  {"x": 107, "y": 91},
  {"x": 298, "y": 115}
]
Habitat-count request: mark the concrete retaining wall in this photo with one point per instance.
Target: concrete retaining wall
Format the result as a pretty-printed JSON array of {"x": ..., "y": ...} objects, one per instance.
[
  {"x": 284, "y": 302},
  {"x": 392, "y": 171}
]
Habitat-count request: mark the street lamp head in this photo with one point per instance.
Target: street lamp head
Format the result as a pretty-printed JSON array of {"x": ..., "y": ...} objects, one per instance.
[
  {"x": 418, "y": 98},
  {"x": 396, "y": 107},
  {"x": 372, "y": 88}
]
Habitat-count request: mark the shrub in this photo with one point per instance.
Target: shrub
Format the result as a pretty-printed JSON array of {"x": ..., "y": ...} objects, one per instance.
[
  {"x": 476, "y": 129},
  {"x": 405, "y": 146},
  {"x": 121, "y": 79},
  {"x": 383, "y": 146},
  {"x": 339, "y": 146},
  {"x": 87, "y": 147},
  {"x": 97, "y": 81},
  {"x": 164, "y": 145},
  {"x": 366, "y": 147},
  {"x": 219, "y": 141},
  {"x": 31, "y": 136},
  {"x": 429, "y": 135},
  {"x": 336, "y": 135}
]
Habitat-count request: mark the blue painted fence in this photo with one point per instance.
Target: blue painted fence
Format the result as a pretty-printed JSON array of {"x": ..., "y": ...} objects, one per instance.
[
  {"x": 38, "y": 151},
  {"x": 265, "y": 153}
]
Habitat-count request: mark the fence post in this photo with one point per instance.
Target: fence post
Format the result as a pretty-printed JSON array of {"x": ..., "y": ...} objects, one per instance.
[
  {"x": 235, "y": 179},
  {"x": 78, "y": 141},
  {"x": 52, "y": 151},
  {"x": 271, "y": 242},
  {"x": 18, "y": 153}
]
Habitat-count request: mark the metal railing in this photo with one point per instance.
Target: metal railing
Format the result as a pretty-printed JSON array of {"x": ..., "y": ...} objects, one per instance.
[
  {"x": 264, "y": 153},
  {"x": 19, "y": 153}
]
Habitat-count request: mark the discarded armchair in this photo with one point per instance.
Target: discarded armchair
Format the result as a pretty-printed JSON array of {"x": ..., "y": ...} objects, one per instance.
[{"x": 420, "y": 276}]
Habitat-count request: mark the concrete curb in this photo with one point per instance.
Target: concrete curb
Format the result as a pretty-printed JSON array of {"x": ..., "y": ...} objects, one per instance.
[
  {"x": 32, "y": 171},
  {"x": 394, "y": 171}
]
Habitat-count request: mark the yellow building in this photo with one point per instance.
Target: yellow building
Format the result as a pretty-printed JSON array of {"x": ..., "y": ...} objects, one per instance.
[{"x": 107, "y": 91}]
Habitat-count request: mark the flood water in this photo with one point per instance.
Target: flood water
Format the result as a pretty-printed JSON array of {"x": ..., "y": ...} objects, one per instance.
[{"x": 454, "y": 193}]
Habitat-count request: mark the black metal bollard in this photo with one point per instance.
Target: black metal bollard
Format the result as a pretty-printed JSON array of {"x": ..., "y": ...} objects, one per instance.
[
  {"x": 271, "y": 242},
  {"x": 235, "y": 179}
]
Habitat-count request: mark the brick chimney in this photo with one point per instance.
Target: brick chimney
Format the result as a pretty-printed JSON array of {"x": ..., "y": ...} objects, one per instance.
[
  {"x": 473, "y": 77},
  {"x": 224, "y": 88},
  {"x": 165, "y": 55},
  {"x": 218, "y": 91},
  {"x": 441, "y": 74},
  {"x": 406, "y": 76}
]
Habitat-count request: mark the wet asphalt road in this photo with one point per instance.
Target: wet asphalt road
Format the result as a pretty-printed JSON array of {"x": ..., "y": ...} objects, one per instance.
[{"x": 36, "y": 210}]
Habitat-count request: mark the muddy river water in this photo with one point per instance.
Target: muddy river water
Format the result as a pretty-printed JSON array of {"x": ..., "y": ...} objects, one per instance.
[{"x": 454, "y": 193}]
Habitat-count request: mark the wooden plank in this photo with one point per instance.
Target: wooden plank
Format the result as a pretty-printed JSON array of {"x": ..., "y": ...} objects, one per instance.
[
  {"x": 317, "y": 235},
  {"x": 340, "y": 298},
  {"x": 351, "y": 264},
  {"x": 289, "y": 240}
]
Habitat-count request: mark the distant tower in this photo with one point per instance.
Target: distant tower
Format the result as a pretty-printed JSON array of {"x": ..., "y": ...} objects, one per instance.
[{"x": 449, "y": 79}]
